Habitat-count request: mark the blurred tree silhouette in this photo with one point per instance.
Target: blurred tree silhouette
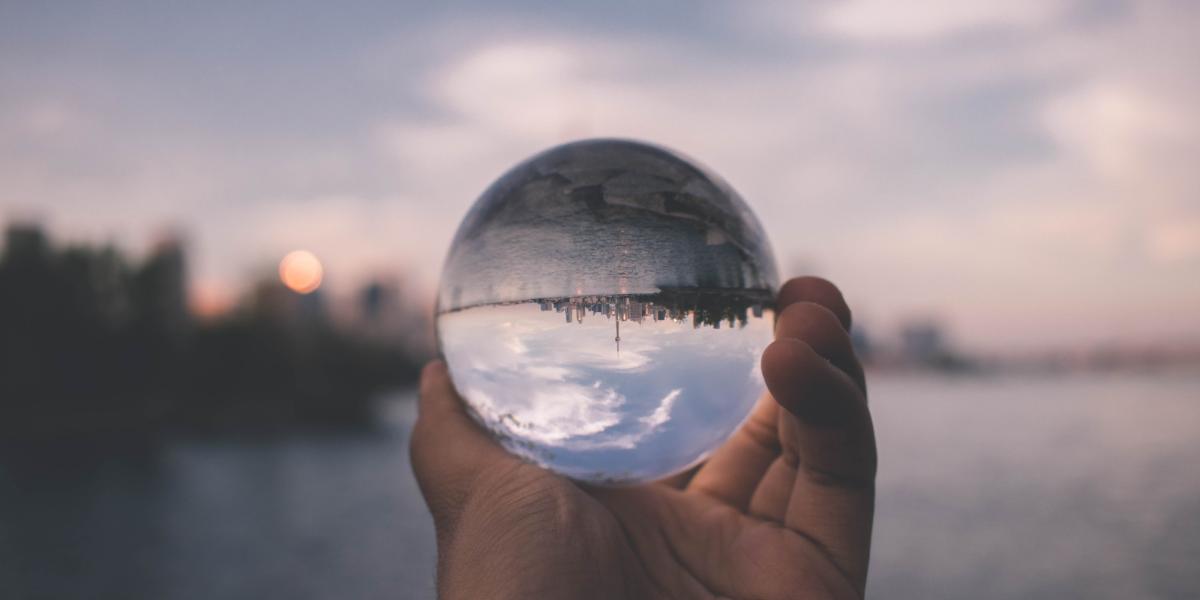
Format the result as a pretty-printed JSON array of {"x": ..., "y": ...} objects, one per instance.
[{"x": 92, "y": 344}]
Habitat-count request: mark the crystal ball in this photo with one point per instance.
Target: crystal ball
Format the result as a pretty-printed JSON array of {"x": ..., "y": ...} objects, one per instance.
[{"x": 603, "y": 309}]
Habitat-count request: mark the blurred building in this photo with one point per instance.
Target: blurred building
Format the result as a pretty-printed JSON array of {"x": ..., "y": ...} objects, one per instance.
[
  {"x": 384, "y": 312},
  {"x": 272, "y": 301},
  {"x": 924, "y": 343},
  {"x": 922, "y": 340},
  {"x": 864, "y": 346},
  {"x": 160, "y": 287},
  {"x": 24, "y": 242}
]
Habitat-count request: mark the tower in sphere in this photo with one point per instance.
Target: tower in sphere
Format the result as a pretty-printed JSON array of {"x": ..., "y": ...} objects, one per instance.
[{"x": 603, "y": 308}]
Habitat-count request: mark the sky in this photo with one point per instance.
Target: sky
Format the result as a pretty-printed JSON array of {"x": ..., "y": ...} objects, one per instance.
[
  {"x": 566, "y": 394},
  {"x": 1023, "y": 171}
]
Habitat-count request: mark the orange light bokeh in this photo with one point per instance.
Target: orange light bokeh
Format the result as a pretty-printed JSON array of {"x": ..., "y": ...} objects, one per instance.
[{"x": 301, "y": 272}]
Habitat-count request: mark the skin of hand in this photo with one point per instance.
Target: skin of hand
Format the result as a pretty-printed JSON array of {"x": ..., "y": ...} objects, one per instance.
[{"x": 782, "y": 510}]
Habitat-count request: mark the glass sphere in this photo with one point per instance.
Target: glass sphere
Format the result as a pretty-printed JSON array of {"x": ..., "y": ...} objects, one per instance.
[{"x": 603, "y": 309}]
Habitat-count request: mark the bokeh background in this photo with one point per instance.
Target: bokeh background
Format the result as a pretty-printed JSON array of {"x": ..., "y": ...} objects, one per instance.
[{"x": 1007, "y": 193}]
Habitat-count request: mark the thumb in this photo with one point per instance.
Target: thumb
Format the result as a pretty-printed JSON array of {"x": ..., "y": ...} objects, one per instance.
[{"x": 448, "y": 449}]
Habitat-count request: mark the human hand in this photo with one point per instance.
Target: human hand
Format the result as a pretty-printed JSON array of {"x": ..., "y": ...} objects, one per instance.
[{"x": 782, "y": 510}]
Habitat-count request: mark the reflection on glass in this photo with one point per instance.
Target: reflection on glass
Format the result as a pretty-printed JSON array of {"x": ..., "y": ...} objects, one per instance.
[
  {"x": 611, "y": 389},
  {"x": 602, "y": 309}
]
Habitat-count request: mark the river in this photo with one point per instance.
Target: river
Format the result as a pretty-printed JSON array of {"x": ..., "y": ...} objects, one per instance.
[{"x": 1078, "y": 486}]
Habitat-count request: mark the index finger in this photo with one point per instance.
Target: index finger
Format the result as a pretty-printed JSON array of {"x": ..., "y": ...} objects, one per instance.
[{"x": 829, "y": 427}]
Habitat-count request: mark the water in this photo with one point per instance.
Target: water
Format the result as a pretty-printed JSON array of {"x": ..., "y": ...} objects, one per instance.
[
  {"x": 1079, "y": 486},
  {"x": 1006, "y": 487},
  {"x": 303, "y": 517},
  {"x": 609, "y": 389},
  {"x": 628, "y": 233}
]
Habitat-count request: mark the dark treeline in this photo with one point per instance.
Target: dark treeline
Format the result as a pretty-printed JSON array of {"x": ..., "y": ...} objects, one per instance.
[{"x": 94, "y": 344}]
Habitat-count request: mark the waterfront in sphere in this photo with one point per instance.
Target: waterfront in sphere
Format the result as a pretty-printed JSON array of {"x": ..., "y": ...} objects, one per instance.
[{"x": 611, "y": 389}]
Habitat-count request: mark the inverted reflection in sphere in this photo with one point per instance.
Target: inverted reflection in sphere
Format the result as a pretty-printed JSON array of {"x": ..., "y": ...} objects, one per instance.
[{"x": 603, "y": 309}]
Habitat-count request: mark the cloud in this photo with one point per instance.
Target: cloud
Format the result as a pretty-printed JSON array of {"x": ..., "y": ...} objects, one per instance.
[
  {"x": 1120, "y": 130},
  {"x": 565, "y": 395},
  {"x": 516, "y": 88},
  {"x": 46, "y": 120},
  {"x": 879, "y": 22},
  {"x": 929, "y": 19},
  {"x": 1175, "y": 241},
  {"x": 662, "y": 412}
]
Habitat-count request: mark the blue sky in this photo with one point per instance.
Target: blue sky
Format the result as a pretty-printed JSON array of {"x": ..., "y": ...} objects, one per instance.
[{"x": 1023, "y": 170}]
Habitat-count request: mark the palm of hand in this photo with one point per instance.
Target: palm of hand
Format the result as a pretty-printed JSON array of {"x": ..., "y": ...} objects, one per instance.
[{"x": 782, "y": 510}]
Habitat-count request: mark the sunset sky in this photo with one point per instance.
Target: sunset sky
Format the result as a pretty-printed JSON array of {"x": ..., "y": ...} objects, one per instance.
[{"x": 1028, "y": 171}]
